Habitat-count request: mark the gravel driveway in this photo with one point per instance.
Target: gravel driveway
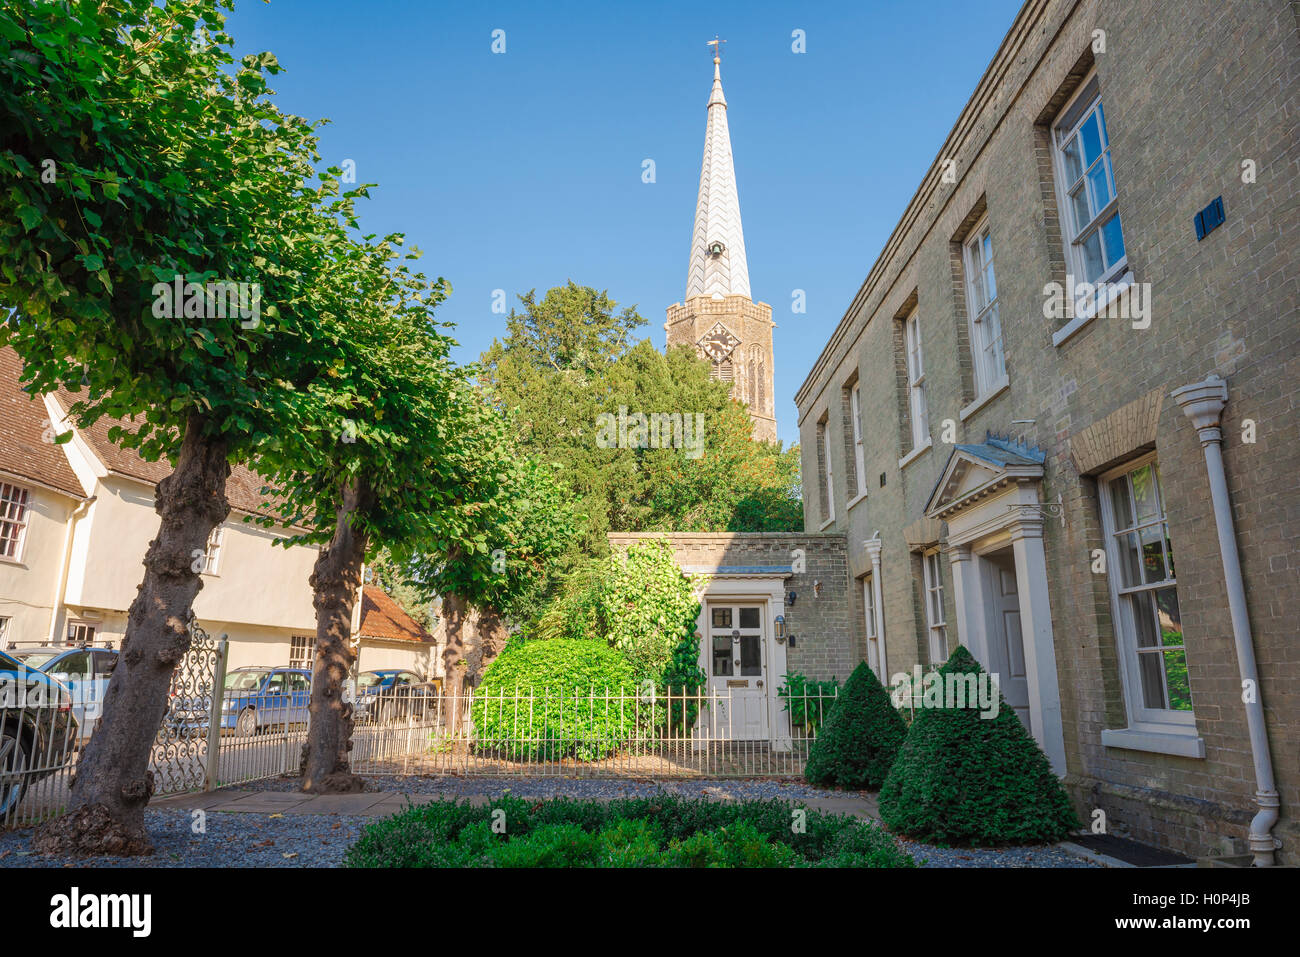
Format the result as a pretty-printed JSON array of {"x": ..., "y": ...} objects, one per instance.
[{"x": 231, "y": 840}]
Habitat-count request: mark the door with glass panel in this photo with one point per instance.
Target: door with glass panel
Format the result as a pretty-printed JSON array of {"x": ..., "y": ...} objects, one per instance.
[{"x": 738, "y": 671}]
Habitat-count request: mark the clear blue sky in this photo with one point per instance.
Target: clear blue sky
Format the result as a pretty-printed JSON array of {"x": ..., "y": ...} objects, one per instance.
[{"x": 521, "y": 170}]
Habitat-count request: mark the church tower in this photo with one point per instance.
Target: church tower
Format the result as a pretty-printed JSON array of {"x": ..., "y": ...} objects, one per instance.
[{"x": 718, "y": 317}]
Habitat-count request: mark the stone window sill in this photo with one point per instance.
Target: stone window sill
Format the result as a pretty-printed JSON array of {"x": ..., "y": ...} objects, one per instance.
[
  {"x": 860, "y": 497},
  {"x": 1183, "y": 744},
  {"x": 1114, "y": 289},
  {"x": 826, "y": 524},
  {"x": 913, "y": 455},
  {"x": 996, "y": 390}
]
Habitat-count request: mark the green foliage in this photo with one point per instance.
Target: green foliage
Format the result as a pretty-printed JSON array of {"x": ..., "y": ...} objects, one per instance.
[
  {"x": 861, "y": 738},
  {"x": 807, "y": 700},
  {"x": 567, "y": 359},
  {"x": 964, "y": 779},
  {"x": 554, "y": 699},
  {"x": 135, "y": 150},
  {"x": 387, "y": 573},
  {"x": 682, "y": 679},
  {"x": 662, "y": 831},
  {"x": 639, "y": 602}
]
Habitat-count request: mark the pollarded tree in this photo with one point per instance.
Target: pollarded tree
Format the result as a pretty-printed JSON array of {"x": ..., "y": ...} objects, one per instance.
[
  {"x": 491, "y": 545},
  {"x": 365, "y": 463},
  {"x": 146, "y": 176}
]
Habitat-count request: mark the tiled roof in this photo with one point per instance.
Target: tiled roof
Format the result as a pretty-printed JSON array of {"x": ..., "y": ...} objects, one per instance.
[
  {"x": 382, "y": 617},
  {"x": 243, "y": 488},
  {"x": 23, "y": 419}
]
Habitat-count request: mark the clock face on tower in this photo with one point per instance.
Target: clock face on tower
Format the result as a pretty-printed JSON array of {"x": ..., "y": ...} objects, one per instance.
[{"x": 717, "y": 343}]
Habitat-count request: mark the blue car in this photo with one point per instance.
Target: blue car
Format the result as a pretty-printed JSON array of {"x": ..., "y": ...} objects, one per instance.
[
  {"x": 390, "y": 694},
  {"x": 255, "y": 698},
  {"x": 38, "y": 730},
  {"x": 85, "y": 672}
]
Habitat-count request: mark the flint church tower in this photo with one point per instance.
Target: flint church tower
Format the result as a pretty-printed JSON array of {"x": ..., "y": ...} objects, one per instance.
[{"x": 719, "y": 317}]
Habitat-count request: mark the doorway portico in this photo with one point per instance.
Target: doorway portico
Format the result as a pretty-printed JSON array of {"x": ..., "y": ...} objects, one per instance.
[{"x": 990, "y": 497}]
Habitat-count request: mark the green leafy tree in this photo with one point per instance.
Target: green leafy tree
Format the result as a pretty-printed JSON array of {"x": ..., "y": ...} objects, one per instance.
[
  {"x": 965, "y": 778},
  {"x": 139, "y": 159},
  {"x": 860, "y": 740},
  {"x": 369, "y": 452},
  {"x": 568, "y": 363},
  {"x": 490, "y": 544},
  {"x": 387, "y": 573}
]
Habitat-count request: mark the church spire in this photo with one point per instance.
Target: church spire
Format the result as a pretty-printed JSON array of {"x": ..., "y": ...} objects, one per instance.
[{"x": 718, "y": 266}]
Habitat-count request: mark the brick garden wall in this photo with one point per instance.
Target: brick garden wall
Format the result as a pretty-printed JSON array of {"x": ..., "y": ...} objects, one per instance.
[{"x": 824, "y": 636}]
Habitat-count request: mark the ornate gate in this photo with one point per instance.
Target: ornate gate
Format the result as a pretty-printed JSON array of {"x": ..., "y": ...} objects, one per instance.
[{"x": 180, "y": 753}]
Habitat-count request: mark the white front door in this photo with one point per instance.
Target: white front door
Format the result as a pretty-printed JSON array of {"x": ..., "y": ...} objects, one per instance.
[
  {"x": 738, "y": 670},
  {"x": 1006, "y": 646}
]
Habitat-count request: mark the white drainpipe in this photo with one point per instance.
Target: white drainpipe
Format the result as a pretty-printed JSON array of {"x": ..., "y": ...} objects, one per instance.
[
  {"x": 65, "y": 563},
  {"x": 1203, "y": 402}
]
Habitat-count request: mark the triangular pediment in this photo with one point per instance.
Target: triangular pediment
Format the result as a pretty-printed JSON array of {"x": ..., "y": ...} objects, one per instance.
[{"x": 974, "y": 471}]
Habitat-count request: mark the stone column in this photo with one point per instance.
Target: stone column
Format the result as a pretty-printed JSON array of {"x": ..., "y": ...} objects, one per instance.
[
  {"x": 1036, "y": 632},
  {"x": 1203, "y": 402},
  {"x": 966, "y": 594}
]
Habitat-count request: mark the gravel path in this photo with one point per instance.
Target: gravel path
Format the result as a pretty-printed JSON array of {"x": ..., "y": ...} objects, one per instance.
[
  {"x": 750, "y": 789},
  {"x": 231, "y": 840},
  {"x": 1039, "y": 855}
]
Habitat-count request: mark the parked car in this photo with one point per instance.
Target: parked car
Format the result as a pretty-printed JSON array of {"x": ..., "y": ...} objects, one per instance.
[
  {"x": 390, "y": 694},
  {"x": 258, "y": 697},
  {"x": 84, "y": 671},
  {"x": 38, "y": 730}
]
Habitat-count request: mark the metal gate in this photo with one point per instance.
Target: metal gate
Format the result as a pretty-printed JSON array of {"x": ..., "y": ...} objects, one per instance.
[{"x": 180, "y": 752}]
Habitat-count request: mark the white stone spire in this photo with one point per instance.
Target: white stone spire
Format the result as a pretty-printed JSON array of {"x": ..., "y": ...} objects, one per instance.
[{"x": 718, "y": 266}]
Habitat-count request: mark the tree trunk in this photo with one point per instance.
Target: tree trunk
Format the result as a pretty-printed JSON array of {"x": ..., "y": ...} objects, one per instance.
[
  {"x": 491, "y": 638},
  {"x": 336, "y": 582},
  {"x": 113, "y": 782},
  {"x": 453, "y": 659}
]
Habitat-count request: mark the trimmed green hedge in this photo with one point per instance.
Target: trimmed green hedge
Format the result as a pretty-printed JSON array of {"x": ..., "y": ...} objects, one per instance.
[
  {"x": 861, "y": 737},
  {"x": 663, "y": 831},
  {"x": 555, "y": 699},
  {"x": 965, "y": 779}
]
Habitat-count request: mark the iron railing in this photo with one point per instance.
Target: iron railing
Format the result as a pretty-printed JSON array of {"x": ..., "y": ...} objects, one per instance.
[{"x": 209, "y": 740}]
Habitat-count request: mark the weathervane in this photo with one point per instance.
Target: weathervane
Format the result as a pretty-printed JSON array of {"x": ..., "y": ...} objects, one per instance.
[{"x": 717, "y": 47}]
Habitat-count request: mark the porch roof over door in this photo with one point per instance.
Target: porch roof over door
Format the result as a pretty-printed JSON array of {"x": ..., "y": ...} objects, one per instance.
[{"x": 974, "y": 472}]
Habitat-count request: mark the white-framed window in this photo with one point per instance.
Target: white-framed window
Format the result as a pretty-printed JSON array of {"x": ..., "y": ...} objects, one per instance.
[
  {"x": 1144, "y": 595},
  {"x": 919, "y": 412},
  {"x": 937, "y": 627},
  {"x": 982, "y": 305},
  {"x": 4, "y": 629},
  {"x": 859, "y": 455},
  {"x": 1094, "y": 238},
  {"x": 13, "y": 520},
  {"x": 873, "y": 638},
  {"x": 212, "y": 552},
  {"x": 828, "y": 489},
  {"x": 302, "y": 651}
]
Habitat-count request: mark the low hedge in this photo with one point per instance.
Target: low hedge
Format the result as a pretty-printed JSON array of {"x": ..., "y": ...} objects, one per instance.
[
  {"x": 663, "y": 831},
  {"x": 962, "y": 778},
  {"x": 554, "y": 699},
  {"x": 861, "y": 737}
]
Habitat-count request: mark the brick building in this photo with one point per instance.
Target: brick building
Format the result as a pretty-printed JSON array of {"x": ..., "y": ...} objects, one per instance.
[{"x": 1019, "y": 423}]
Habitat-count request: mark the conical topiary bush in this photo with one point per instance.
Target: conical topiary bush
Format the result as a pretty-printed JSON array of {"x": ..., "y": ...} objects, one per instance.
[
  {"x": 861, "y": 736},
  {"x": 962, "y": 778}
]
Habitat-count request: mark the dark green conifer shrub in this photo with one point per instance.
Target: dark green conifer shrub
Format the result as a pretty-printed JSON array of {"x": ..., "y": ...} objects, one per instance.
[
  {"x": 860, "y": 739},
  {"x": 962, "y": 778}
]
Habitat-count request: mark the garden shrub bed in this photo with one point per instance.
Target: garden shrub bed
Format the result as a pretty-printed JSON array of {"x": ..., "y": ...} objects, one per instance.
[{"x": 663, "y": 831}]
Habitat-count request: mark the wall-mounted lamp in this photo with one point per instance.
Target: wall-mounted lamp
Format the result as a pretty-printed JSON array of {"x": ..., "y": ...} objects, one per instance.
[
  {"x": 817, "y": 589},
  {"x": 780, "y": 629},
  {"x": 790, "y": 597}
]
